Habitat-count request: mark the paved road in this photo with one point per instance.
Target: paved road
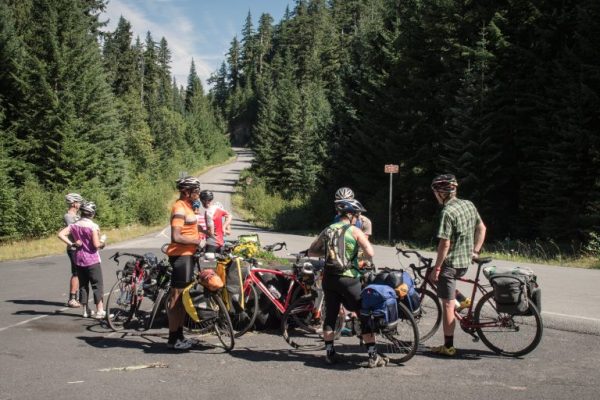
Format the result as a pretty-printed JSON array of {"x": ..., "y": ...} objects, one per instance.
[{"x": 48, "y": 351}]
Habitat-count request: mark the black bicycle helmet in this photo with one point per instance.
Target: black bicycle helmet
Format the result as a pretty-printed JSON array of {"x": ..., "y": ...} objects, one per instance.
[
  {"x": 206, "y": 195},
  {"x": 446, "y": 183},
  {"x": 351, "y": 206},
  {"x": 344, "y": 193},
  {"x": 188, "y": 183},
  {"x": 88, "y": 209},
  {"x": 73, "y": 198}
]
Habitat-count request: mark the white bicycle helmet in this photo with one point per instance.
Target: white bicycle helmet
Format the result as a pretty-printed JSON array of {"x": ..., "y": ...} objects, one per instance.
[
  {"x": 73, "y": 198},
  {"x": 344, "y": 193}
]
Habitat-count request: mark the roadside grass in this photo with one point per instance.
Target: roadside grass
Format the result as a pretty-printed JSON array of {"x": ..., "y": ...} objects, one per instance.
[
  {"x": 22, "y": 249},
  {"x": 253, "y": 203}
]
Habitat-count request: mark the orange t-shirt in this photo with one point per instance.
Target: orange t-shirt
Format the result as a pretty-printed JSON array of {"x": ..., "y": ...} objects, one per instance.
[{"x": 182, "y": 215}]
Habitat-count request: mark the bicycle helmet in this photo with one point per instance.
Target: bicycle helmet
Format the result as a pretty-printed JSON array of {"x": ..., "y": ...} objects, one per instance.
[
  {"x": 196, "y": 204},
  {"x": 344, "y": 193},
  {"x": 444, "y": 183},
  {"x": 206, "y": 195},
  {"x": 188, "y": 183},
  {"x": 88, "y": 209},
  {"x": 73, "y": 198},
  {"x": 351, "y": 206}
]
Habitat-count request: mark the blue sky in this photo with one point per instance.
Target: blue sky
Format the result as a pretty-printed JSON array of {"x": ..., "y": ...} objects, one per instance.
[{"x": 198, "y": 29}]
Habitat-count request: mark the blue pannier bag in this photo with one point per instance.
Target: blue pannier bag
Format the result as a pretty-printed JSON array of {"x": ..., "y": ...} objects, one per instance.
[
  {"x": 403, "y": 284},
  {"x": 379, "y": 307},
  {"x": 412, "y": 299}
]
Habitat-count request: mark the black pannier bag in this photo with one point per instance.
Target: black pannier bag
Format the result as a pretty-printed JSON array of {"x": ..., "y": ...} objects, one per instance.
[{"x": 510, "y": 293}]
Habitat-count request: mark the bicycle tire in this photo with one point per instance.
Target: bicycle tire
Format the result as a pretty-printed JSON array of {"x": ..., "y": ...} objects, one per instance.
[
  {"x": 159, "y": 306},
  {"x": 429, "y": 315},
  {"x": 302, "y": 324},
  {"x": 119, "y": 312},
  {"x": 243, "y": 321},
  {"x": 400, "y": 343},
  {"x": 222, "y": 324},
  {"x": 498, "y": 336}
]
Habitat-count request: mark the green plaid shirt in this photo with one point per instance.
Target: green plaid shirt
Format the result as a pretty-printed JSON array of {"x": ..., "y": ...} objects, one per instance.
[{"x": 457, "y": 224}]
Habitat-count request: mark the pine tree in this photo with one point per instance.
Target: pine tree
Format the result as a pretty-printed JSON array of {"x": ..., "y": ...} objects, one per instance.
[
  {"x": 164, "y": 73},
  {"x": 119, "y": 59},
  {"x": 233, "y": 60}
]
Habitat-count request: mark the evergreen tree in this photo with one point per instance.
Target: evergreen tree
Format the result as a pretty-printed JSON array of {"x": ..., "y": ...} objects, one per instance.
[
  {"x": 119, "y": 58},
  {"x": 233, "y": 60},
  {"x": 164, "y": 73}
]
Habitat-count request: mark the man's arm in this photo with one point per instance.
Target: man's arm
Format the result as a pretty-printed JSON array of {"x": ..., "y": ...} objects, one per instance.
[
  {"x": 363, "y": 242},
  {"x": 177, "y": 237},
  {"x": 227, "y": 223},
  {"x": 442, "y": 252},
  {"x": 480, "y": 230}
]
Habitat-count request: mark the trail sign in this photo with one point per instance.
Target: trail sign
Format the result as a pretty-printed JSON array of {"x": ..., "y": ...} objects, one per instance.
[{"x": 391, "y": 168}]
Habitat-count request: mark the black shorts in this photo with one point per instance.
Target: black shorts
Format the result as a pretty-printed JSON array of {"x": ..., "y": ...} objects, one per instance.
[
  {"x": 446, "y": 286},
  {"x": 183, "y": 271},
  {"x": 339, "y": 290},
  {"x": 71, "y": 255}
]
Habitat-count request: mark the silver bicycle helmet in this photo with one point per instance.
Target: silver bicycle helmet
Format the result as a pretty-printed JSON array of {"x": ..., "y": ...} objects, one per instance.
[
  {"x": 446, "y": 183},
  {"x": 73, "y": 198},
  {"x": 88, "y": 209},
  {"x": 344, "y": 193},
  {"x": 188, "y": 183}
]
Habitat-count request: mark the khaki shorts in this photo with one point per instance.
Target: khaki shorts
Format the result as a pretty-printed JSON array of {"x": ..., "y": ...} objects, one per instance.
[{"x": 446, "y": 286}]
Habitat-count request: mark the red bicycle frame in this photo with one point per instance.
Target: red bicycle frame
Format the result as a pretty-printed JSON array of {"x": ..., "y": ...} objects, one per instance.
[{"x": 253, "y": 278}]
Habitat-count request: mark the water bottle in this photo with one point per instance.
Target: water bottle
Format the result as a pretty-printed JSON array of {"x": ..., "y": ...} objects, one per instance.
[{"x": 274, "y": 291}]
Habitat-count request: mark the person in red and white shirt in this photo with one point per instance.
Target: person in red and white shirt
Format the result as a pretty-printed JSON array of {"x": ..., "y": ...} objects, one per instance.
[{"x": 218, "y": 221}]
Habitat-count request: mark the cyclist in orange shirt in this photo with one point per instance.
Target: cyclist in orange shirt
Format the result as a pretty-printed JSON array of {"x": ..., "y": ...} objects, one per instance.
[{"x": 184, "y": 241}]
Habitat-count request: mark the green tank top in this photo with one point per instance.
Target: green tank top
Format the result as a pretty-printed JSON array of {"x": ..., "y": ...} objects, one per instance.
[{"x": 351, "y": 249}]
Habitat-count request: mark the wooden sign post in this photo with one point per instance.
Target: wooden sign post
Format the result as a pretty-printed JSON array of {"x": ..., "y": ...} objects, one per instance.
[{"x": 390, "y": 169}]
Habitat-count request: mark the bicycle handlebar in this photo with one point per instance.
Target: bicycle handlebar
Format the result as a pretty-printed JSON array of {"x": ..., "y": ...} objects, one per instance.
[{"x": 275, "y": 246}]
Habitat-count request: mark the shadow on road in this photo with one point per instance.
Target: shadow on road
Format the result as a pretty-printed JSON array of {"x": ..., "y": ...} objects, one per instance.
[
  {"x": 147, "y": 342},
  {"x": 38, "y": 302}
]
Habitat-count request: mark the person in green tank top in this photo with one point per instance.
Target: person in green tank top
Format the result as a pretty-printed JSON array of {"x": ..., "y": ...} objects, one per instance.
[{"x": 341, "y": 285}]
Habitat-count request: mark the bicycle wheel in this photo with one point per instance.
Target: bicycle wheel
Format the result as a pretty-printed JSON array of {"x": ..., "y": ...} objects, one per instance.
[
  {"x": 119, "y": 309},
  {"x": 400, "y": 343},
  {"x": 302, "y": 323},
  {"x": 509, "y": 335},
  {"x": 242, "y": 321},
  {"x": 222, "y": 323},
  {"x": 158, "y": 308},
  {"x": 429, "y": 315},
  {"x": 302, "y": 326}
]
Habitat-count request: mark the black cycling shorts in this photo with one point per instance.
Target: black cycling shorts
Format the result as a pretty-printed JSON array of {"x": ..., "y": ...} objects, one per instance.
[
  {"x": 183, "y": 271},
  {"x": 339, "y": 290}
]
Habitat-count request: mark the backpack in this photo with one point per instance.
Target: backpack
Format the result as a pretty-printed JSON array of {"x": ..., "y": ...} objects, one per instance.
[
  {"x": 336, "y": 260},
  {"x": 379, "y": 308},
  {"x": 402, "y": 283}
]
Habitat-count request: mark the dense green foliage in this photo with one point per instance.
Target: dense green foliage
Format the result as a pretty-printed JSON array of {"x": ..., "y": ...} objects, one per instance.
[
  {"x": 503, "y": 94},
  {"x": 92, "y": 112}
]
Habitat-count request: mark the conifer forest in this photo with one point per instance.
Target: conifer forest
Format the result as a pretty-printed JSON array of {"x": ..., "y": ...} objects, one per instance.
[{"x": 503, "y": 94}]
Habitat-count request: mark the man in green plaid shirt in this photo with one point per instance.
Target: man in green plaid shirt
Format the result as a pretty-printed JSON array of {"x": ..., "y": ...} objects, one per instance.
[{"x": 461, "y": 233}]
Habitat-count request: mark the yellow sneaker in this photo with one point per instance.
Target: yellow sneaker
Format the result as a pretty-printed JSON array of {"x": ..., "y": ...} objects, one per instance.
[
  {"x": 466, "y": 303},
  {"x": 444, "y": 351}
]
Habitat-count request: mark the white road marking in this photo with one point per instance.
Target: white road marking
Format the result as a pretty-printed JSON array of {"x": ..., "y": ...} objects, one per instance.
[
  {"x": 571, "y": 316},
  {"x": 38, "y": 317}
]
